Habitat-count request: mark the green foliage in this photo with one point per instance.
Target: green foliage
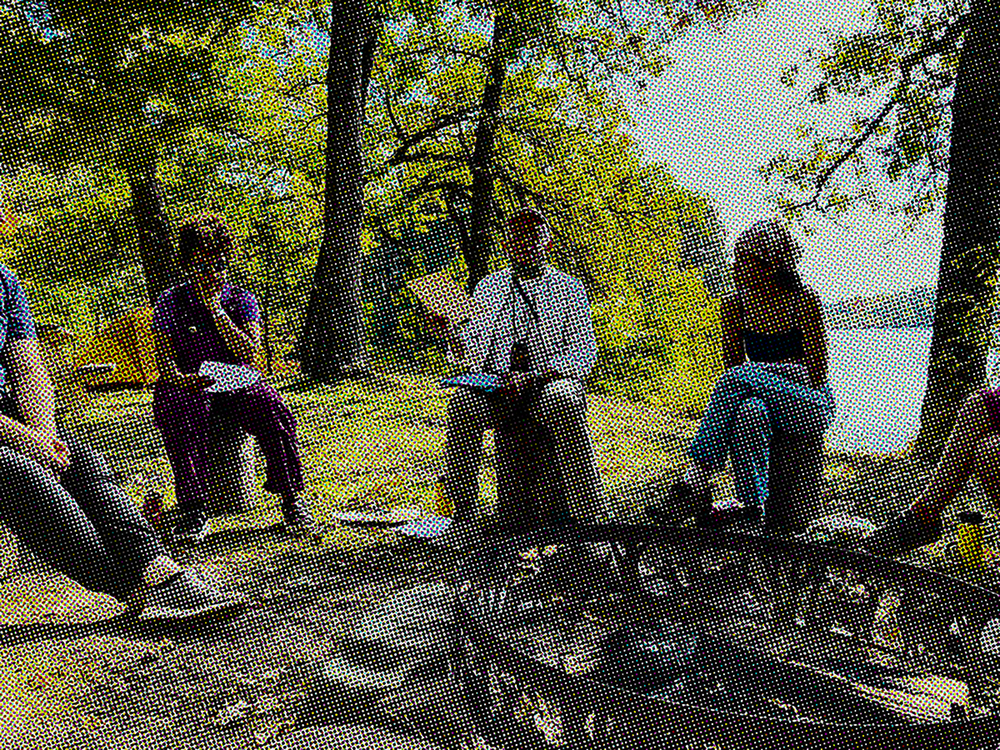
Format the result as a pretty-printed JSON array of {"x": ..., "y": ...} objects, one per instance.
[
  {"x": 896, "y": 78},
  {"x": 619, "y": 224},
  {"x": 248, "y": 142},
  {"x": 68, "y": 228},
  {"x": 113, "y": 82}
]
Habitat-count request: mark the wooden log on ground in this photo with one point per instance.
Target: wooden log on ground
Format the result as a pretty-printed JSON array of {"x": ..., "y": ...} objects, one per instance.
[{"x": 795, "y": 482}]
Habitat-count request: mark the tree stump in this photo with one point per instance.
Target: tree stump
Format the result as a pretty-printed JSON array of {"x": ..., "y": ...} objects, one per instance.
[
  {"x": 232, "y": 480},
  {"x": 530, "y": 489},
  {"x": 795, "y": 481}
]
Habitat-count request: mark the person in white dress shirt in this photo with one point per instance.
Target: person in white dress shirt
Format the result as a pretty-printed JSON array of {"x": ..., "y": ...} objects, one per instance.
[{"x": 531, "y": 323}]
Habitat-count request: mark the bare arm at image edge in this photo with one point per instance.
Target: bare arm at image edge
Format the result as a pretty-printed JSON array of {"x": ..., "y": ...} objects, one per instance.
[
  {"x": 32, "y": 385},
  {"x": 36, "y": 399}
]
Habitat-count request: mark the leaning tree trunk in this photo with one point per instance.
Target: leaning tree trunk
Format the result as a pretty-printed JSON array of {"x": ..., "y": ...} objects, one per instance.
[
  {"x": 479, "y": 247},
  {"x": 156, "y": 251},
  {"x": 970, "y": 254},
  {"x": 332, "y": 341}
]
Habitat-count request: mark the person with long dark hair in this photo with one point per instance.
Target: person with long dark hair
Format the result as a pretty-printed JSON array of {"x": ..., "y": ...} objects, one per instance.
[{"x": 775, "y": 353}]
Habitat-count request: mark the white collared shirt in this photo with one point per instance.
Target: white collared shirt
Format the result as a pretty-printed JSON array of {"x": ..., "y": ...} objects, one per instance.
[{"x": 562, "y": 340}]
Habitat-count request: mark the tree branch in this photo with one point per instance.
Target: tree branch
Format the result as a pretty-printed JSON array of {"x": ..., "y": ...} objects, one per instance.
[
  {"x": 842, "y": 159},
  {"x": 424, "y": 157},
  {"x": 907, "y": 65},
  {"x": 396, "y": 127},
  {"x": 456, "y": 216},
  {"x": 442, "y": 123},
  {"x": 446, "y": 49},
  {"x": 299, "y": 87}
]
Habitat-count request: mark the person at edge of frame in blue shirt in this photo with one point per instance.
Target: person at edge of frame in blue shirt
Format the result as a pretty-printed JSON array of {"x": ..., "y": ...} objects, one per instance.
[{"x": 58, "y": 496}]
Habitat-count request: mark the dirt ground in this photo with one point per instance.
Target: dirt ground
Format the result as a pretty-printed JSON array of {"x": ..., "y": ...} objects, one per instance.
[
  {"x": 74, "y": 675},
  {"x": 78, "y": 676}
]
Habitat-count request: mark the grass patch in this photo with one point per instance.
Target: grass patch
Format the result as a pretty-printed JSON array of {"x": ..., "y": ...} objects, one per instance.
[{"x": 378, "y": 443}]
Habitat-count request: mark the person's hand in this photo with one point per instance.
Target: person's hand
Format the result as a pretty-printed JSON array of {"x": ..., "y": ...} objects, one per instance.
[
  {"x": 210, "y": 295},
  {"x": 517, "y": 384},
  {"x": 62, "y": 453},
  {"x": 47, "y": 450},
  {"x": 439, "y": 326}
]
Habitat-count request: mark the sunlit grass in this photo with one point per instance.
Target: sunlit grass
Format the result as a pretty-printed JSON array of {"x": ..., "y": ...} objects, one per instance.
[{"x": 375, "y": 444}]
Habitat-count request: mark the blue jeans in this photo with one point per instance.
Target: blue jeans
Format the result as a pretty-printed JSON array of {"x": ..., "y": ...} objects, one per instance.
[{"x": 749, "y": 404}]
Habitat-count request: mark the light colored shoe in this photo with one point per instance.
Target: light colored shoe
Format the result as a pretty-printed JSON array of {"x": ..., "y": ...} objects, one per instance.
[
  {"x": 187, "y": 597},
  {"x": 297, "y": 520}
]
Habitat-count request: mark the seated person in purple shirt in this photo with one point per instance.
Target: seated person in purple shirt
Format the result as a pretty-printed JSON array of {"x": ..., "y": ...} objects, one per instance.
[
  {"x": 58, "y": 497},
  {"x": 209, "y": 319}
]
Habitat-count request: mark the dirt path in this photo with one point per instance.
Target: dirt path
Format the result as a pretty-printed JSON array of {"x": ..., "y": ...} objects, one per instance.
[{"x": 76, "y": 676}]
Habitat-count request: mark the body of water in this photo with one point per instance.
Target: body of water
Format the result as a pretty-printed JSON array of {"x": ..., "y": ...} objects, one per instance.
[{"x": 878, "y": 377}]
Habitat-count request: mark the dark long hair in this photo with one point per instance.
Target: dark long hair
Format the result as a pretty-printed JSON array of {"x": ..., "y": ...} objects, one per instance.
[{"x": 770, "y": 242}]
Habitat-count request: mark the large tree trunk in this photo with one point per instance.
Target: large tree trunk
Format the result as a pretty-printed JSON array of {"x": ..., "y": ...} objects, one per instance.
[
  {"x": 156, "y": 251},
  {"x": 970, "y": 254},
  {"x": 480, "y": 245},
  {"x": 332, "y": 342}
]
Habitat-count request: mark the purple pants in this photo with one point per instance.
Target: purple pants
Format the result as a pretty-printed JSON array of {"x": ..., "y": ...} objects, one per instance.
[
  {"x": 183, "y": 416},
  {"x": 992, "y": 399}
]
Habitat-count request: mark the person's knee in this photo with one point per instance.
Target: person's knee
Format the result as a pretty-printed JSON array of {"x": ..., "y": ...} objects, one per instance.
[
  {"x": 752, "y": 417},
  {"x": 562, "y": 400},
  {"x": 740, "y": 373},
  {"x": 754, "y": 410},
  {"x": 16, "y": 467}
]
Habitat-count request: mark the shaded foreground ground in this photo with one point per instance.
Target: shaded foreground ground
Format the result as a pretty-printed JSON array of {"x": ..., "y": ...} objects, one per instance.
[{"x": 74, "y": 676}]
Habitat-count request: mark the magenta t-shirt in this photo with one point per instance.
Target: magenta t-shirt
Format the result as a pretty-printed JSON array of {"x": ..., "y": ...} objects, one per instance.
[{"x": 185, "y": 319}]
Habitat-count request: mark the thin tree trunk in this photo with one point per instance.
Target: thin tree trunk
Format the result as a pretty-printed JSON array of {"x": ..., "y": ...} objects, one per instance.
[
  {"x": 480, "y": 244},
  {"x": 266, "y": 240},
  {"x": 156, "y": 250},
  {"x": 332, "y": 342},
  {"x": 970, "y": 254}
]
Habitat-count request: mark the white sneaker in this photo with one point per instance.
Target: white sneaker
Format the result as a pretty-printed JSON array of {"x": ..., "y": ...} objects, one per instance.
[{"x": 187, "y": 597}]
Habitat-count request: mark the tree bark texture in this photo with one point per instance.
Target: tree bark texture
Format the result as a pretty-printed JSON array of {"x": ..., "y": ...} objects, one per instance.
[
  {"x": 970, "y": 253},
  {"x": 480, "y": 244},
  {"x": 332, "y": 344},
  {"x": 156, "y": 250}
]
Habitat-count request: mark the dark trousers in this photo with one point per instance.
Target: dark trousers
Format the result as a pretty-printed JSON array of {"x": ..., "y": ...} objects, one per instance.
[
  {"x": 83, "y": 524},
  {"x": 183, "y": 416}
]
